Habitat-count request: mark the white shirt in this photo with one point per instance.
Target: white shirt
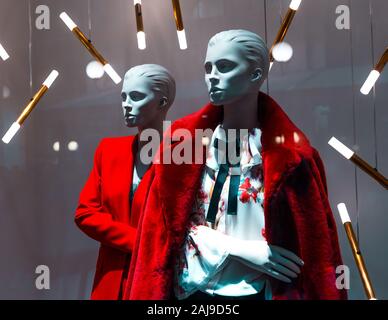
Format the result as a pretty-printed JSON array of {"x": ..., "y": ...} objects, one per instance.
[
  {"x": 135, "y": 183},
  {"x": 204, "y": 263}
]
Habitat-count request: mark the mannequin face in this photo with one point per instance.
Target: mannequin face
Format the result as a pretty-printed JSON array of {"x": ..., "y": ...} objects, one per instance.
[
  {"x": 228, "y": 74},
  {"x": 141, "y": 103}
]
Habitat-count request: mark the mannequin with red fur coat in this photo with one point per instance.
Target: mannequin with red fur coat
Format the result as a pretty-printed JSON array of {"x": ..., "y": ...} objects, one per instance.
[{"x": 301, "y": 251}]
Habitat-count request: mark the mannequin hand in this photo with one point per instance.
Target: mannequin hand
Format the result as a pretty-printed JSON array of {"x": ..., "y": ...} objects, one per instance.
[{"x": 275, "y": 261}]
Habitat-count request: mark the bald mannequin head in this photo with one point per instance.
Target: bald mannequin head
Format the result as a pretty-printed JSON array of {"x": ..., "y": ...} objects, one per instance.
[
  {"x": 147, "y": 94},
  {"x": 236, "y": 64}
]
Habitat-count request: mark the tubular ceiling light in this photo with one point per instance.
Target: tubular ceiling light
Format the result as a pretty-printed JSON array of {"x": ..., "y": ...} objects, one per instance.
[
  {"x": 343, "y": 212},
  {"x": 375, "y": 74},
  {"x": 30, "y": 106},
  {"x": 362, "y": 164},
  {"x": 93, "y": 51},
  {"x": 293, "y": 7},
  {"x": 3, "y": 54},
  {"x": 141, "y": 37},
  {"x": 179, "y": 25}
]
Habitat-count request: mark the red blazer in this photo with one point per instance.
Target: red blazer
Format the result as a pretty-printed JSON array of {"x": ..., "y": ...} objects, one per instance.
[
  {"x": 104, "y": 212},
  {"x": 296, "y": 209}
]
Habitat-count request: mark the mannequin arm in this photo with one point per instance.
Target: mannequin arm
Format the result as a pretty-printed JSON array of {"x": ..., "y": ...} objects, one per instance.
[{"x": 257, "y": 254}]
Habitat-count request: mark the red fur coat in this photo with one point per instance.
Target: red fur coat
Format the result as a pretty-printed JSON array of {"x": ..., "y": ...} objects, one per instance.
[{"x": 296, "y": 207}]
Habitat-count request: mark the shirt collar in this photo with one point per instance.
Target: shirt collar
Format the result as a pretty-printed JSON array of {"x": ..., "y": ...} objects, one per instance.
[{"x": 250, "y": 143}]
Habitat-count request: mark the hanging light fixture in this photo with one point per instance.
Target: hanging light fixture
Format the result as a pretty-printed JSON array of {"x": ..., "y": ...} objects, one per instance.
[
  {"x": 375, "y": 74},
  {"x": 141, "y": 37},
  {"x": 179, "y": 25},
  {"x": 30, "y": 106},
  {"x": 293, "y": 7},
  {"x": 93, "y": 51},
  {"x": 343, "y": 212},
  {"x": 362, "y": 164},
  {"x": 3, "y": 54}
]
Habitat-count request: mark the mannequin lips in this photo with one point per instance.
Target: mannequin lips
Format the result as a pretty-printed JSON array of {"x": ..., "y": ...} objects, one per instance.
[
  {"x": 215, "y": 93},
  {"x": 214, "y": 90},
  {"x": 128, "y": 117}
]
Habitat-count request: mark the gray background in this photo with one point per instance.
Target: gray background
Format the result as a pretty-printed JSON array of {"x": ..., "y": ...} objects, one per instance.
[{"x": 318, "y": 88}]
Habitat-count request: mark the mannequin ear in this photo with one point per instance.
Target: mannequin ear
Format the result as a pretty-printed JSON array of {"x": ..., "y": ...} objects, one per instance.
[
  {"x": 163, "y": 102},
  {"x": 256, "y": 75}
]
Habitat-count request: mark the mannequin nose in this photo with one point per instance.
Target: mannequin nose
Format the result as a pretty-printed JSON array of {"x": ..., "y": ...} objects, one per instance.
[
  {"x": 214, "y": 80},
  {"x": 127, "y": 109}
]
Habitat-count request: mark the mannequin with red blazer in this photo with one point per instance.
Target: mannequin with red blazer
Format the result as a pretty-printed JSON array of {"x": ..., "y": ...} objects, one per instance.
[{"x": 106, "y": 202}]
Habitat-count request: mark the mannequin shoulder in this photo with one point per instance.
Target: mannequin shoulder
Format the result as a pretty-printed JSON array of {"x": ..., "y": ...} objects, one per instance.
[{"x": 110, "y": 143}]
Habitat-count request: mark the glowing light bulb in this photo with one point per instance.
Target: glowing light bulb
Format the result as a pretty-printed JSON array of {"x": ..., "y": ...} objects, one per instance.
[
  {"x": 51, "y": 78},
  {"x": 141, "y": 40},
  {"x": 3, "y": 54},
  {"x": 341, "y": 148},
  {"x": 370, "y": 82},
  {"x": 72, "y": 146},
  {"x": 343, "y": 212},
  {"x": 56, "y": 146},
  {"x": 68, "y": 21},
  {"x": 94, "y": 70},
  {"x": 282, "y": 52},
  {"x": 294, "y": 5},
  {"x": 11, "y": 132},
  {"x": 112, "y": 73},
  {"x": 182, "y": 39}
]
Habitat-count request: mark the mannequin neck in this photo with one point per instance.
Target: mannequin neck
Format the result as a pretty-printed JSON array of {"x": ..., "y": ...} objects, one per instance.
[
  {"x": 242, "y": 113},
  {"x": 156, "y": 124}
]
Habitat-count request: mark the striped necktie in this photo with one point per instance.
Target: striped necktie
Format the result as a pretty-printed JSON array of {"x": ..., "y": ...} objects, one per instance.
[{"x": 223, "y": 173}]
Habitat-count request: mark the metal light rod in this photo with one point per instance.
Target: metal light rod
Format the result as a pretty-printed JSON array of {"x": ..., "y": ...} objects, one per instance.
[
  {"x": 141, "y": 37},
  {"x": 293, "y": 7},
  {"x": 179, "y": 25},
  {"x": 375, "y": 74},
  {"x": 356, "y": 251},
  {"x": 30, "y": 106},
  {"x": 88, "y": 45},
  {"x": 359, "y": 162}
]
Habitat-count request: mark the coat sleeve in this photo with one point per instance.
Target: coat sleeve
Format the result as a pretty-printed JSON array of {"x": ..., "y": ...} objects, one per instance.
[
  {"x": 317, "y": 239},
  {"x": 203, "y": 255},
  {"x": 94, "y": 220}
]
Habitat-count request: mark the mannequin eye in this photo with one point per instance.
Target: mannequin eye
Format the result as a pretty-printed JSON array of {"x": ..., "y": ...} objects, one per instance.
[
  {"x": 124, "y": 96},
  {"x": 225, "y": 65},
  {"x": 208, "y": 67},
  {"x": 136, "y": 95}
]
